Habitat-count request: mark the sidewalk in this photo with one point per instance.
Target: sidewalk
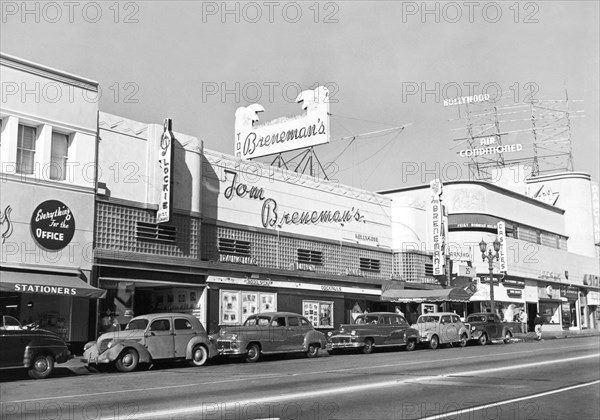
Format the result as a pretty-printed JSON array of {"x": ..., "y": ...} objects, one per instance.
[{"x": 551, "y": 335}]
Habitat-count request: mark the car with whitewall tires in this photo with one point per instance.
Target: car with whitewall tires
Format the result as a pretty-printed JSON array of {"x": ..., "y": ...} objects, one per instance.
[
  {"x": 152, "y": 338},
  {"x": 270, "y": 333},
  {"x": 373, "y": 330},
  {"x": 435, "y": 329}
]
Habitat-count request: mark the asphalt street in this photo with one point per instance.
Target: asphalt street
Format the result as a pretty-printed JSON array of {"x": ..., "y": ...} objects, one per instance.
[{"x": 554, "y": 379}]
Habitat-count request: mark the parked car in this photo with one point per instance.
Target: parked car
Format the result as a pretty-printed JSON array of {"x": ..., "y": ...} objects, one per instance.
[
  {"x": 441, "y": 328},
  {"x": 376, "y": 329},
  {"x": 28, "y": 346},
  {"x": 486, "y": 326},
  {"x": 150, "y": 338},
  {"x": 268, "y": 333}
]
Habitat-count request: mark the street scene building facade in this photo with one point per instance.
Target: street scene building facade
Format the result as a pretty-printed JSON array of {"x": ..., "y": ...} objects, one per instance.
[{"x": 165, "y": 225}]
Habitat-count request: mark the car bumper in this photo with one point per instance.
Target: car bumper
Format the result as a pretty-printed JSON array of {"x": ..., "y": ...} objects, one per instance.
[
  {"x": 91, "y": 357},
  {"x": 344, "y": 345},
  {"x": 230, "y": 352}
]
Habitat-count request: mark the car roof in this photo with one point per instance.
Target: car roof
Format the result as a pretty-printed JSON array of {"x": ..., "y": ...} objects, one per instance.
[
  {"x": 381, "y": 313},
  {"x": 277, "y": 314},
  {"x": 150, "y": 317},
  {"x": 481, "y": 313}
]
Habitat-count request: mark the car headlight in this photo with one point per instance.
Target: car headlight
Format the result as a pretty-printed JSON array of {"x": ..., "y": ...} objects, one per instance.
[
  {"x": 89, "y": 345},
  {"x": 353, "y": 332},
  {"x": 473, "y": 328},
  {"x": 330, "y": 333},
  {"x": 111, "y": 343},
  {"x": 234, "y": 337}
]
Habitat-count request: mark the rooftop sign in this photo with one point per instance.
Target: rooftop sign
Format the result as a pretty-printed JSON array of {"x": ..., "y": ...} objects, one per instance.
[{"x": 283, "y": 134}]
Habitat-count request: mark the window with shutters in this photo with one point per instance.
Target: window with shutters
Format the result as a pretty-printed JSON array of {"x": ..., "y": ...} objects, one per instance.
[
  {"x": 155, "y": 232},
  {"x": 308, "y": 256},
  {"x": 234, "y": 247},
  {"x": 369, "y": 264},
  {"x": 26, "y": 149}
]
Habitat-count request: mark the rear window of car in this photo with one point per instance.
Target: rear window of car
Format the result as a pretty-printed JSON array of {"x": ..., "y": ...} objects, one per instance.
[
  {"x": 385, "y": 320},
  {"x": 137, "y": 324},
  {"x": 182, "y": 324},
  {"x": 293, "y": 322},
  {"x": 398, "y": 320},
  {"x": 304, "y": 322},
  {"x": 278, "y": 321}
]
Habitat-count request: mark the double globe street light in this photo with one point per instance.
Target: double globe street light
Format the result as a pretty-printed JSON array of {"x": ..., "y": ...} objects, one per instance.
[{"x": 490, "y": 258}]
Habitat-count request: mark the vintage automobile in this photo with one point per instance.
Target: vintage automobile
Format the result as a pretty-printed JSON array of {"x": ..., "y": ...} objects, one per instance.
[
  {"x": 486, "y": 326},
  {"x": 441, "y": 328},
  {"x": 28, "y": 346},
  {"x": 269, "y": 333},
  {"x": 150, "y": 338},
  {"x": 376, "y": 329}
]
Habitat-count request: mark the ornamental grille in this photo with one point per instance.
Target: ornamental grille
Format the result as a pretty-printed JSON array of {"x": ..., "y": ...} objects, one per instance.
[
  {"x": 234, "y": 247},
  {"x": 123, "y": 228},
  {"x": 369, "y": 264},
  {"x": 282, "y": 252},
  {"x": 308, "y": 256}
]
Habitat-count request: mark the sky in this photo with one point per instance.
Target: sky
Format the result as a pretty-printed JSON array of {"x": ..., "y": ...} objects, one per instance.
[{"x": 386, "y": 64}]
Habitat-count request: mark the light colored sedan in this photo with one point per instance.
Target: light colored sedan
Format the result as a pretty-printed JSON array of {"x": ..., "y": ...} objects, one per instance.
[
  {"x": 150, "y": 338},
  {"x": 441, "y": 328}
]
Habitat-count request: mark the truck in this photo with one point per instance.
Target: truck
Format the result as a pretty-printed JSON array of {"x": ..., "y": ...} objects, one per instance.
[{"x": 486, "y": 327}]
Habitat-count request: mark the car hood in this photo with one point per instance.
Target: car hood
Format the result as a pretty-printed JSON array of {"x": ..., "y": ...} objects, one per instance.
[{"x": 122, "y": 335}]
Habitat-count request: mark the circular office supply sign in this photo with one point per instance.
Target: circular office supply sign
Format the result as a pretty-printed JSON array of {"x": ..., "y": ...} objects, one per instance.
[{"x": 52, "y": 225}]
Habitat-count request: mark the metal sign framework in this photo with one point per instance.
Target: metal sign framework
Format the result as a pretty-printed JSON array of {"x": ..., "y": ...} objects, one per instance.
[{"x": 542, "y": 126}]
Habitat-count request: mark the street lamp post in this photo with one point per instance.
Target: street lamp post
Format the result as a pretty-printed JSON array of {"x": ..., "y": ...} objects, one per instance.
[{"x": 490, "y": 258}]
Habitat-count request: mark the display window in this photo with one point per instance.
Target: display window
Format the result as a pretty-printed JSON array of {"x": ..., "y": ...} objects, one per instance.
[
  {"x": 237, "y": 306},
  {"x": 550, "y": 312},
  {"x": 319, "y": 313}
]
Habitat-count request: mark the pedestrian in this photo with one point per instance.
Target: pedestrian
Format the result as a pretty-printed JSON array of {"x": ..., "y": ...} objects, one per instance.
[
  {"x": 538, "y": 322},
  {"x": 523, "y": 319}
]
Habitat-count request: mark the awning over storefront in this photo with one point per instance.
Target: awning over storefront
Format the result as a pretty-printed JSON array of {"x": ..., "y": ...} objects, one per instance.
[
  {"x": 437, "y": 295},
  {"x": 48, "y": 284}
]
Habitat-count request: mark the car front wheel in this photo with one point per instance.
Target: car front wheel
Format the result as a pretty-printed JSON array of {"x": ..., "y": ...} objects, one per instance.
[
  {"x": 313, "y": 351},
  {"x": 507, "y": 337},
  {"x": 411, "y": 345},
  {"x": 127, "y": 361},
  {"x": 42, "y": 367},
  {"x": 368, "y": 347},
  {"x": 253, "y": 353},
  {"x": 463, "y": 340},
  {"x": 483, "y": 340},
  {"x": 434, "y": 343},
  {"x": 199, "y": 356}
]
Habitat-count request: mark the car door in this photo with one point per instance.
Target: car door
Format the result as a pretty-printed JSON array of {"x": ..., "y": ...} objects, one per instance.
[
  {"x": 159, "y": 339},
  {"x": 277, "y": 333},
  {"x": 383, "y": 330},
  {"x": 294, "y": 339},
  {"x": 399, "y": 326},
  {"x": 449, "y": 331},
  {"x": 183, "y": 333},
  {"x": 458, "y": 324},
  {"x": 491, "y": 326}
]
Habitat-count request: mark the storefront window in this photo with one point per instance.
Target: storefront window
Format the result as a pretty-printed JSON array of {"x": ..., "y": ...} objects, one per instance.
[
  {"x": 549, "y": 311},
  {"x": 319, "y": 313},
  {"x": 237, "y": 306}
]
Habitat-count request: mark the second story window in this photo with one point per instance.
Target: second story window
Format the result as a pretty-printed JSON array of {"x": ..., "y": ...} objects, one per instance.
[
  {"x": 234, "y": 247},
  {"x": 58, "y": 163},
  {"x": 307, "y": 256},
  {"x": 369, "y": 264},
  {"x": 26, "y": 149}
]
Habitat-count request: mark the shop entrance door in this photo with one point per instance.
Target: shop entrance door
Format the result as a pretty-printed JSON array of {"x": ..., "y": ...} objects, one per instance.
[{"x": 531, "y": 311}]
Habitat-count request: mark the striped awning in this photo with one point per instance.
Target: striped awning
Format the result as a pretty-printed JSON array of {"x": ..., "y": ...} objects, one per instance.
[{"x": 437, "y": 295}]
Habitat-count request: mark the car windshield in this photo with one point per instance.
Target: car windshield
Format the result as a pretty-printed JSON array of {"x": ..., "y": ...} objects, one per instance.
[
  {"x": 427, "y": 318},
  {"x": 257, "y": 320},
  {"x": 137, "y": 324}
]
